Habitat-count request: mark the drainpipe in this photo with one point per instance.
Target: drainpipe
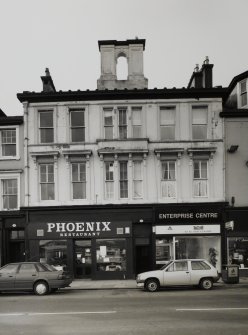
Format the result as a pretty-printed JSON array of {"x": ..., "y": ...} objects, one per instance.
[{"x": 26, "y": 160}]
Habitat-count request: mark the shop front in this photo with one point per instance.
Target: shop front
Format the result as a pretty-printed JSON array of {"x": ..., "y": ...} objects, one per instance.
[
  {"x": 188, "y": 231},
  {"x": 237, "y": 238}
]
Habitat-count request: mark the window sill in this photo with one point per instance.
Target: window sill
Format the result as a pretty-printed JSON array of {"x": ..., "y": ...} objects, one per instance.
[{"x": 8, "y": 158}]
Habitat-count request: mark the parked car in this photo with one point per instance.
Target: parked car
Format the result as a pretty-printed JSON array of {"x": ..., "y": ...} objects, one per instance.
[
  {"x": 32, "y": 276},
  {"x": 180, "y": 273}
]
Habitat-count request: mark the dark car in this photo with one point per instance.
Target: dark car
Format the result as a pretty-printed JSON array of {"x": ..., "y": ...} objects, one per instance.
[{"x": 32, "y": 276}]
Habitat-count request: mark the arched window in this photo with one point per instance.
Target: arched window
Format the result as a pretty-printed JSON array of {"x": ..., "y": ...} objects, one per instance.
[{"x": 122, "y": 67}]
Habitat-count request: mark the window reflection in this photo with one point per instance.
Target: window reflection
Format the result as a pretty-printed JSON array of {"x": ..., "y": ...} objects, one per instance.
[{"x": 111, "y": 255}]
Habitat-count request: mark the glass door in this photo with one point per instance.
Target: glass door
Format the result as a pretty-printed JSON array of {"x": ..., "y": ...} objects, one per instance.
[{"x": 82, "y": 258}]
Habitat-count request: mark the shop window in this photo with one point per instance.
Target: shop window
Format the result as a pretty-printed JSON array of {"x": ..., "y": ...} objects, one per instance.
[
  {"x": 136, "y": 122},
  {"x": 9, "y": 194},
  {"x": 123, "y": 175},
  {"x": 8, "y": 142},
  {"x": 108, "y": 123},
  {"x": 78, "y": 180},
  {"x": 137, "y": 179},
  {"x": 47, "y": 181},
  {"x": 167, "y": 123},
  {"x": 199, "y": 122},
  {"x": 46, "y": 127},
  {"x": 200, "y": 182},
  {"x": 238, "y": 251},
  {"x": 53, "y": 252},
  {"x": 77, "y": 118},
  {"x": 163, "y": 251},
  {"x": 168, "y": 183},
  {"x": 194, "y": 247},
  {"x": 111, "y": 254},
  {"x": 122, "y": 112},
  {"x": 109, "y": 180}
]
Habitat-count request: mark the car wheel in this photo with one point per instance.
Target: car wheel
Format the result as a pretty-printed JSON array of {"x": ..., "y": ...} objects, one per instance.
[
  {"x": 206, "y": 283},
  {"x": 152, "y": 285},
  {"x": 41, "y": 288}
]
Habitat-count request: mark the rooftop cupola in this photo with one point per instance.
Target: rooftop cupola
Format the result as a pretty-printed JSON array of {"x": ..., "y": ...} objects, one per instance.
[
  {"x": 48, "y": 85},
  {"x": 111, "y": 51}
]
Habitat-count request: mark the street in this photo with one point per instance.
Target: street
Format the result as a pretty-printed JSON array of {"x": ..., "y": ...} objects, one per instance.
[{"x": 127, "y": 311}]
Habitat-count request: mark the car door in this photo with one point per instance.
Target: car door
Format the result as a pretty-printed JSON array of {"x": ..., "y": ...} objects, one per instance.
[
  {"x": 26, "y": 276},
  {"x": 177, "y": 273},
  {"x": 7, "y": 276}
]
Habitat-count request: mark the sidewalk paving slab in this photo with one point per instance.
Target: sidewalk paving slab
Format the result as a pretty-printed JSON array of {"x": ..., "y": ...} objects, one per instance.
[{"x": 88, "y": 284}]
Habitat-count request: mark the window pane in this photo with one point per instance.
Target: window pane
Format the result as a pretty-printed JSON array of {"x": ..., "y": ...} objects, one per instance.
[
  {"x": 78, "y": 134},
  {"x": 109, "y": 133},
  {"x": 46, "y": 119},
  {"x": 77, "y": 119},
  {"x": 123, "y": 189},
  {"x": 199, "y": 132},
  {"x": 136, "y": 117},
  {"x": 47, "y": 191},
  {"x": 79, "y": 190},
  {"x": 53, "y": 252},
  {"x": 196, "y": 170},
  {"x": 200, "y": 115},
  {"x": 75, "y": 172},
  {"x": 109, "y": 189},
  {"x": 46, "y": 135},
  {"x": 137, "y": 189},
  {"x": 109, "y": 167},
  {"x": 137, "y": 171},
  {"x": 111, "y": 255},
  {"x": 108, "y": 118},
  {"x": 167, "y": 133},
  {"x": 167, "y": 116}
]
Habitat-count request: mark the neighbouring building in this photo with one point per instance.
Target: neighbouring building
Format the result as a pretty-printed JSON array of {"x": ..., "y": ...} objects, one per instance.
[
  {"x": 235, "y": 115},
  {"x": 122, "y": 179},
  {"x": 12, "y": 222}
]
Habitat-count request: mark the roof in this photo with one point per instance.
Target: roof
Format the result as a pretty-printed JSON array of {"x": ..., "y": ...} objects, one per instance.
[
  {"x": 234, "y": 82},
  {"x": 134, "y": 94},
  {"x": 122, "y": 43},
  {"x": 10, "y": 120}
]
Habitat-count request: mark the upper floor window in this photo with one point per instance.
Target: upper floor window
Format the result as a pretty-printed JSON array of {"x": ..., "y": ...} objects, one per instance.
[
  {"x": 8, "y": 142},
  {"x": 137, "y": 179},
  {"x": 122, "y": 111},
  {"x": 108, "y": 123},
  {"x": 78, "y": 171},
  {"x": 199, "y": 122},
  {"x": 167, "y": 122},
  {"x": 200, "y": 182},
  {"x": 77, "y": 118},
  {"x": 168, "y": 183},
  {"x": 243, "y": 93},
  {"x": 46, "y": 127},
  {"x": 123, "y": 179},
  {"x": 136, "y": 122},
  {"x": 109, "y": 180},
  {"x": 47, "y": 181},
  {"x": 9, "y": 192}
]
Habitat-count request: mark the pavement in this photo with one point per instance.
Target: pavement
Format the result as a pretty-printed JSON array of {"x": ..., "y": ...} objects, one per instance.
[{"x": 88, "y": 284}]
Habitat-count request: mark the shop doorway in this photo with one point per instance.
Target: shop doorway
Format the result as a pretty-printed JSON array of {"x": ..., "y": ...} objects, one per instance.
[
  {"x": 143, "y": 258},
  {"x": 82, "y": 258},
  {"x": 16, "y": 251}
]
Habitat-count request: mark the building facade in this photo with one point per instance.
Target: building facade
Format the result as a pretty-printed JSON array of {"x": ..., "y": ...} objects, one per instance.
[
  {"x": 124, "y": 178},
  {"x": 235, "y": 115},
  {"x": 12, "y": 222}
]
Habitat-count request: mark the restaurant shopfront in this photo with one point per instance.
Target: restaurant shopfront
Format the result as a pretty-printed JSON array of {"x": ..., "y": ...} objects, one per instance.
[{"x": 95, "y": 244}]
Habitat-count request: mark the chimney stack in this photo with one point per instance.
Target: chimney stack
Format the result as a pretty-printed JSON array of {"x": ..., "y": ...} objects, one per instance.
[
  {"x": 202, "y": 78},
  {"x": 47, "y": 81}
]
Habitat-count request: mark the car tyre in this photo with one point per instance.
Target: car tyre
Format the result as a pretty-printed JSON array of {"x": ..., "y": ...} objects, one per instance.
[
  {"x": 152, "y": 285},
  {"x": 206, "y": 284},
  {"x": 41, "y": 288}
]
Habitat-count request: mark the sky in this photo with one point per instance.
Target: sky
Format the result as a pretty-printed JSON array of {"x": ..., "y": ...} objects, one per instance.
[{"x": 63, "y": 36}]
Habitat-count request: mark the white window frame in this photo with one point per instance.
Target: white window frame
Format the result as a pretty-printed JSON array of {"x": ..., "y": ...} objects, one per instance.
[
  {"x": 111, "y": 111},
  {"x": 168, "y": 183},
  {"x": 107, "y": 180},
  {"x": 77, "y": 110},
  {"x": 17, "y": 155},
  {"x": 40, "y": 111},
  {"x": 168, "y": 124},
  {"x": 122, "y": 125},
  {"x": 123, "y": 180},
  {"x": 40, "y": 182},
  {"x": 243, "y": 93},
  {"x": 201, "y": 181},
  {"x": 138, "y": 179},
  {"x": 79, "y": 181},
  {"x": 9, "y": 176},
  {"x": 135, "y": 124},
  {"x": 195, "y": 124}
]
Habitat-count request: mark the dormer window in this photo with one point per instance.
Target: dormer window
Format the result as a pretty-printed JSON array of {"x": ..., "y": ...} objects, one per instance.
[{"x": 243, "y": 93}]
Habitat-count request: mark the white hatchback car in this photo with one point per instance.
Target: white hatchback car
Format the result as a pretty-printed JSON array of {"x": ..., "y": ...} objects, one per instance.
[{"x": 182, "y": 272}]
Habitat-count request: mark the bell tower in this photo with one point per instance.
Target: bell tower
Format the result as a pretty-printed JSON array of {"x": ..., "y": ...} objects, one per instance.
[{"x": 132, "y": 50}]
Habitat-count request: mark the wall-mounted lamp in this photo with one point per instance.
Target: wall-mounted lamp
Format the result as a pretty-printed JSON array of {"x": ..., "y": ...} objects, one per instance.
[{"x": 232, "y": 149}]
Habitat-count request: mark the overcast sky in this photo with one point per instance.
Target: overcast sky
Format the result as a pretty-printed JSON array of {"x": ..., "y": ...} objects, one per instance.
[{"x": 63, "y": 34}]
